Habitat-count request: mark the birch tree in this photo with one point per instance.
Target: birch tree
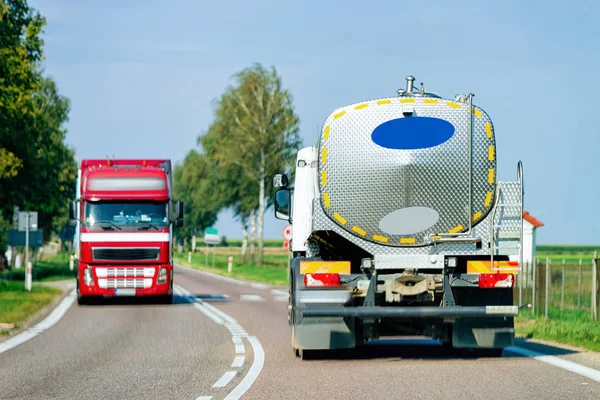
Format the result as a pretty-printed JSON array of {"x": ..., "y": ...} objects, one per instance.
[{"x": 256, "y": 132}]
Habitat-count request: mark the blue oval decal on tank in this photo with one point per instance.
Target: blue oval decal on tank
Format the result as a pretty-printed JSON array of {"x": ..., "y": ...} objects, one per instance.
[{"x": 412, "y": 133}]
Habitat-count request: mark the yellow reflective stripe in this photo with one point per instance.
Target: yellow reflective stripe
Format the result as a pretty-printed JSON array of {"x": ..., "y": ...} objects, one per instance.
[
  {"x": 339, "y": 115},
  {"x": 491, "y": 176},
  {"x": 361, "y": 106},
  {"x": 407, "y": 240},
  {"x": 488, "y": 130},
  {"x": 477, "y": 215},
  {"x": 380, "y": 238},
  {"x": 456, "y": 229},
  {"x": 453, "y": 104},
  {"x": 326, "y": 133},
  {"x": 430, "y": 101},
  {"x": 488, "y": 199},
  {"x": 484, "y": 267},
  {"x": 477, "y": 113},
  {"x": 339, "y": 218},
  {"x": 326, "y": 199},
  {"x": 325, "y": 267},
  {"x": 324, "y": 154},
  {"x": 382, "y": 102},
  {"x": 491, "y": 153},
  {"x": 407, "y": 100},
  {"x": 436, "y": 237},
  {"x": 324, "y": 177},
  {"x": 358, "y": 230}
]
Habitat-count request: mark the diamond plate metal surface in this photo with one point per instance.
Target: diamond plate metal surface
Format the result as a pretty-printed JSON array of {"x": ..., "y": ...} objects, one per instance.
[{"x": 360, "y": 182}]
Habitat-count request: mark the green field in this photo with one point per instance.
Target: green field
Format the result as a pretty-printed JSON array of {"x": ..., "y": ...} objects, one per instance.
[
  {"x": 53, "y": 268},
  {"x": 274, "y": 271},
  {"x": 17, "y": 305}
]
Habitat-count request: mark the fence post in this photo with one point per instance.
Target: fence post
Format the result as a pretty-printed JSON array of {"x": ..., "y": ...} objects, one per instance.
[
  {"x": 534, "y": 294},
  {"x": 579, "y": 284},
  {"x": 594, "y": 286},
  {"x": 547, "y": 286},
  {"x": 562, "y": 292}
]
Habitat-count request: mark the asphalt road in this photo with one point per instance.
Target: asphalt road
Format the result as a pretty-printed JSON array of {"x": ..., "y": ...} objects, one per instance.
[{"x": 214, "y": 347}]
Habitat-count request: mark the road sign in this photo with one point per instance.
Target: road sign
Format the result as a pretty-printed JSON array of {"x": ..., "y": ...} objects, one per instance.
[
  {"x": 287, "y": 232},
  {"x": 211, "y": 236},
  {"x": 32, "y": 218},
  {"x": 18, "y": 238},
  {"x": 286, "y": 244}
]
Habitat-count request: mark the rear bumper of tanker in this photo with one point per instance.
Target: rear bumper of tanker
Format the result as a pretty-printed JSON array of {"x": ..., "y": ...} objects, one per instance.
[{"x": 413, "y": 312}]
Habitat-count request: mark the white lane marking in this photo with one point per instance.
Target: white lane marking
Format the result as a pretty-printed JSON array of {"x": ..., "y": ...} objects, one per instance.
[
  {"x": 239, "y": 348},
  {"x": 557, "y": 362},
  {"x": 251, "y": 297},
  {"x": 281, "y": 298},
  {"x": 257, "y": 349},
  {"x": 238, "y": 361},
  {"x": 47, "y": 323},
  {"x": 277, "y": 292},
  {"x": 259, "y": 286},
  {"x": 253, "y": 372},
  {"x": 209, "y": 314},
  {"x": 204, "y": 398},
  {"x": 225, "y": 379}
]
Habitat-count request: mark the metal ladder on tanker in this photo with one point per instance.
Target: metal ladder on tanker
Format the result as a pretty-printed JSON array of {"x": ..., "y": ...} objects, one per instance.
[{"x": 507, "y": 222}]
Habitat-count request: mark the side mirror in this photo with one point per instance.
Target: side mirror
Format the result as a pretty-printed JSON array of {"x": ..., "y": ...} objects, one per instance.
[
  {"x": 178, "y": 223},
  {"x": 73, "y": 211},
  {"x": 283, "y": 204},
  {"x": 72, "y": 223},
  {"x": 179, "y": 210},
  {"x": 280, "y": 181}
]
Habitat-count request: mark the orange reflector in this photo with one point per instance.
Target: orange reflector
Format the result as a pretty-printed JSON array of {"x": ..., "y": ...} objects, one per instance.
[
  {"x": 484, "y": 267},
  {"x": 488, "y": 281},
  {"x": 325, "y": 267}
]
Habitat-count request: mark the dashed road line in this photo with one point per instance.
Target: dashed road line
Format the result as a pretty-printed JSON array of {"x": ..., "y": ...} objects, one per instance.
[
  {"x": 251, "y": 297},
  {"x": 46, "y": 324},
  {"x": 238, "y": 361},
  {"x": 238, "y": 333}
]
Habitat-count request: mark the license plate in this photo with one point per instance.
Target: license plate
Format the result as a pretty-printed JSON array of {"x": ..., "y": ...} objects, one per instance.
[{"x": 124, "y": 292}]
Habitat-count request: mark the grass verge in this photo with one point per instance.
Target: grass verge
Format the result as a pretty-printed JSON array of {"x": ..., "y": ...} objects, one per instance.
[
  {"x": 17, "y": 305},
  {"x": 274, "y": 271},
  {"x": 570, "y": 327}
]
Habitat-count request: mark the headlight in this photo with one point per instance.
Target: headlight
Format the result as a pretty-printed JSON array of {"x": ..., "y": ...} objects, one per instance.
[
  {"x": 87, "y": 277},
  {"x": 162, "y": 275}
]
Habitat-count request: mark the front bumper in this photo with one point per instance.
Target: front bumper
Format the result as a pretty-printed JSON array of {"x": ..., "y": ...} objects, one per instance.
[{"x": 100, "y": 287}]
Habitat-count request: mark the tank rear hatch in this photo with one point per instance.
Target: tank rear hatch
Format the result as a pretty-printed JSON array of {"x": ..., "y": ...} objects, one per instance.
[{"x": 396, "y": 171}]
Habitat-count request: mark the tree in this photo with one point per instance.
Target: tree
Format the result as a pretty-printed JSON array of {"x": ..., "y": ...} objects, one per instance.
[
  {"x": 193, "y": 183},
  {"x": 255, "y": 135},
  {"x": 37, "y": 169}
]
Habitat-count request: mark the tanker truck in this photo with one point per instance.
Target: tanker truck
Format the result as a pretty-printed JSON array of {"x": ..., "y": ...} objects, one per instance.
[{"x": 400, "y": 227}]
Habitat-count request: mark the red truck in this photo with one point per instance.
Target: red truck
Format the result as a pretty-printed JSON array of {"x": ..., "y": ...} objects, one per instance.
[{"x": 124, "y": 216}]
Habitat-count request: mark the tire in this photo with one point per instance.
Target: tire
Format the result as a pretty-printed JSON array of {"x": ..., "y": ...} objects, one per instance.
[
  {"x": 166, "y": 299},
  {"x": 82, "y": 301}
]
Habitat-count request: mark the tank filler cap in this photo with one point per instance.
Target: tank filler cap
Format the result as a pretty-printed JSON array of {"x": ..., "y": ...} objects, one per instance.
[{"x": 411, "y": 92}]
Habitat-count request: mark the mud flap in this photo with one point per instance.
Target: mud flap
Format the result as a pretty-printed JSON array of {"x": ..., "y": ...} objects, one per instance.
[
  {"x": 324, "y": 334},
  {"x": 483, "y": 333}
]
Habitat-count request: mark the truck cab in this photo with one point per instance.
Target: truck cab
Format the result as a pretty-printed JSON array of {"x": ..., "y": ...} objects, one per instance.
[{"x": 124, "y": 217}]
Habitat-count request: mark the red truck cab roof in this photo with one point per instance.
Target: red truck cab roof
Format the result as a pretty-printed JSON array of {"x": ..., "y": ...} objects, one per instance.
[{"x": 125, "y": 180}]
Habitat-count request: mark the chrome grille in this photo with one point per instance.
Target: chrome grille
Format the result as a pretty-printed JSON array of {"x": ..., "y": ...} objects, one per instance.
[
  {"x": 135, "y": 283},
  {"x": 121, "y": 272},
  {"x": 127, "y": 254}
]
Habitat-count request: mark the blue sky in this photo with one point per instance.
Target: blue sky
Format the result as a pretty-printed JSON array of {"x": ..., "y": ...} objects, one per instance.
[{"x": 142, "y": 75}]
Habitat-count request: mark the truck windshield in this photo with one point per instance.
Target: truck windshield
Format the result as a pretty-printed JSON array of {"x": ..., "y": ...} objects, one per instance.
[{"x": 128, "y": 215}]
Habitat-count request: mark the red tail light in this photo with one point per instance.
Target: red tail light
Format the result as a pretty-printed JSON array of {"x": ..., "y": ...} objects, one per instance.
[
  {"x": 322, "y": 280},
  {"x": 496, "y": 281}
]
